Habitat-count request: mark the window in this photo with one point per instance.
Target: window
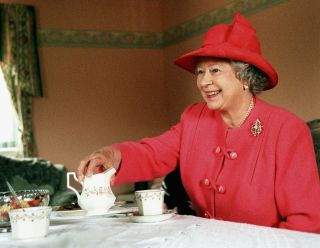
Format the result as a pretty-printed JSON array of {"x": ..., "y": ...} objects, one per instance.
[{"x": 9, "y": 125}]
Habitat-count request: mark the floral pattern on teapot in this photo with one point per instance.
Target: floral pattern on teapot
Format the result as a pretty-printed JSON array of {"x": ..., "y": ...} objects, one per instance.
[
  {"x": 96, "y": 191},
  {"x": 96, "y": 196}
]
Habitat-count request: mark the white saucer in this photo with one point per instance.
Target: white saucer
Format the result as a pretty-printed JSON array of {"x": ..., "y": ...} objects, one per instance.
[
  {"x": 69, "y": 213},
  {"x": 97, "y": 213},
  {"x": 150, "y": 218},
  {"x": 78, "y": 214},
  {"x": 112, "y": 211}
]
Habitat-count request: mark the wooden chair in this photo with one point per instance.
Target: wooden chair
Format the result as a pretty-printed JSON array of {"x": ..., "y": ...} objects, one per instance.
[
  {"x": 175, "y": 194},
  {"x": 314, "y": 126}
]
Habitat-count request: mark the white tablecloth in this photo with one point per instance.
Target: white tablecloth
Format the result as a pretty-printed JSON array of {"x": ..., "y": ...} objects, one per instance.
[{"x": 178, "y": 231}]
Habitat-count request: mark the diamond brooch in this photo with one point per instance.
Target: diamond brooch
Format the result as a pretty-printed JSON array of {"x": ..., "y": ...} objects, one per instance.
[{"x": 256, "y": 128}]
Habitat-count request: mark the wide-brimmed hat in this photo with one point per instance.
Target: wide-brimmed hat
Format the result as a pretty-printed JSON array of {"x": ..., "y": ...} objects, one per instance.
[{"x": 237, "y": 41}]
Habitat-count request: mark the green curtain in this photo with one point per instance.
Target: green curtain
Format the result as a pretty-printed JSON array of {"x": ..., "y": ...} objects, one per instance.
[{"x": 20, "y": 65}]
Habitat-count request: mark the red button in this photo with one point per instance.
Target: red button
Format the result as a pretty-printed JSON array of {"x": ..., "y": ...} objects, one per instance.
[
  {"x": 218, "y": 149},
  {"x": 206, "y": 182},
  {"x": 207, "y": 214},
  {"x": 233, "y": 155},
  {"x": 221, "y": 189}
]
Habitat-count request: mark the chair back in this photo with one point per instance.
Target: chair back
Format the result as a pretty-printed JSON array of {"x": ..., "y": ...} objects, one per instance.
[{"x": 314, "y": 126}]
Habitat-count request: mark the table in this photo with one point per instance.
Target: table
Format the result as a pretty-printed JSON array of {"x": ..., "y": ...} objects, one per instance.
[{"x": 178, "y": 231}]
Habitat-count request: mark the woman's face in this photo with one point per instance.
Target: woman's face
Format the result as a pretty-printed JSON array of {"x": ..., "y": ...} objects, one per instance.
[{"x": 218, "y": 84}]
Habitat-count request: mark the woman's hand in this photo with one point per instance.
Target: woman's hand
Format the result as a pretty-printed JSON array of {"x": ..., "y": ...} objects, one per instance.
[{"x": 102, "y": 159}]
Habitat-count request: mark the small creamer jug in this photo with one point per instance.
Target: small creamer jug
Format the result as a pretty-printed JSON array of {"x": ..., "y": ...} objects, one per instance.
[{"x": 96, "y": 196}]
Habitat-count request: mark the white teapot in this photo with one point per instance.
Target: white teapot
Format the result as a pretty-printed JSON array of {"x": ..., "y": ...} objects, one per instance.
[{"x": 97, "y": 196}]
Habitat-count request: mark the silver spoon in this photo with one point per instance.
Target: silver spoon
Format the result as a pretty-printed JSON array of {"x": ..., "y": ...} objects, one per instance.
[{"x": 14, "y": 195}]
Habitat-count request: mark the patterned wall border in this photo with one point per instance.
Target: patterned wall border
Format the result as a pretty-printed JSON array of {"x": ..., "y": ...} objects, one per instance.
[{"x": 120, "y": 39}]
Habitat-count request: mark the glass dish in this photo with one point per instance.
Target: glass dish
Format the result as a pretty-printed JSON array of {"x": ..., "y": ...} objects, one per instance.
[{"x": 28, "y": 198}]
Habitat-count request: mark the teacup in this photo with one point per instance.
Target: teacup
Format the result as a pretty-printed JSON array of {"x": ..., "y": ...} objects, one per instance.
[
  {"x": 30, "y": 223},
  {"x": 150, "y": 202}
]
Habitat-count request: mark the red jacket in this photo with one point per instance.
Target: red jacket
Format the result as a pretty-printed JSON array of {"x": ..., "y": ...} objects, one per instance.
[{"x": 270, "y": 179}]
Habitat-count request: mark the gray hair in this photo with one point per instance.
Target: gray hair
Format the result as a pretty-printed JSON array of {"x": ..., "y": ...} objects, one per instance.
[{"x": 256, "y": 79}]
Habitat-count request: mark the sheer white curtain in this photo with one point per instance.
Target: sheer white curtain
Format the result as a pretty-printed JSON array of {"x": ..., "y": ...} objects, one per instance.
[{"x": 9, "y": 133}]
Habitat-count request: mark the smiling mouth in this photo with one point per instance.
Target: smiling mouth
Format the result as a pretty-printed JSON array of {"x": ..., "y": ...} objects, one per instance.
[{"x": 212, "y": 94}]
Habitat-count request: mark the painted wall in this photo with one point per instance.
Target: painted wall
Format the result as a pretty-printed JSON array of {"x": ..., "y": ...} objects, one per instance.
[
  {"x": 290, "y": 39},
  {"x": 96, "y": 95}
]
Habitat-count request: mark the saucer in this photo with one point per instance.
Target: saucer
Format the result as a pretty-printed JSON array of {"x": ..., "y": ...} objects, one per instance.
[
  {"x": 150, "y": 218},
  {"x": 97, "y": 213},
  {"x": 69, "y": 213},
  {"x": 112, "y": 211},
  {"x": 80, "y": 213}
]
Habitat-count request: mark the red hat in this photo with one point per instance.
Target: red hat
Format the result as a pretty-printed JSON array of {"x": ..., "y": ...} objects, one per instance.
[{"x": 237, "y": 41}]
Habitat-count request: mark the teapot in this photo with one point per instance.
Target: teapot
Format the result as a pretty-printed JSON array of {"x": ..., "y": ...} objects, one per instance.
[{"x": 97, "y": 196}]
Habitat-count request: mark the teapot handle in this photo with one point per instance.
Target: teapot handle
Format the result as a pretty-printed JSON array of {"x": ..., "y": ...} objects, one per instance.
[{"x": 76, "y": 179}]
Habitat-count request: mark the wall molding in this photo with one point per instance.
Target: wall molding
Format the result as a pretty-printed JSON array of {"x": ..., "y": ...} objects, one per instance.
[{"x": 176, "y": 34}]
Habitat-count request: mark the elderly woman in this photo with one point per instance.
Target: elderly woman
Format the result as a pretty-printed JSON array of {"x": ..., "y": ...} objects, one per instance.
[{"x": 241, "y": 159}]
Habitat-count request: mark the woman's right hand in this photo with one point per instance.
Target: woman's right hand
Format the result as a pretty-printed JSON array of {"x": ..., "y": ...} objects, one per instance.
[{"x": 106, "y": 157}]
